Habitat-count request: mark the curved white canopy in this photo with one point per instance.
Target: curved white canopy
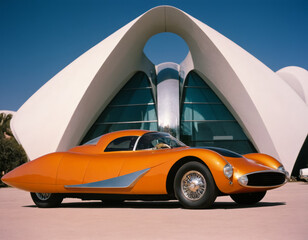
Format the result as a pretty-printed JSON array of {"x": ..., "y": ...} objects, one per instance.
[{"x": 273, "y": 114}]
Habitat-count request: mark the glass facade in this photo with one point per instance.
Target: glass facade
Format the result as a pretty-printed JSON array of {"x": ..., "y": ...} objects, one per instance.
[
  {"x": 132, "y": 108},
  {"x": 205, "y": 120}
]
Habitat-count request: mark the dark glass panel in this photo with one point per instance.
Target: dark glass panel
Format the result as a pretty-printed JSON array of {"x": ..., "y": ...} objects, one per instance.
[
  {"x": 133, "y": 96},
  {"x": 212, "y": 131},
  {"x": 128, "y": 114},
  {"x": 100, "y": 129},
  {"x": 204, "y": 123},
  {"x": 205, "y": 112},
  {"x": 95, "y": 131},
  {"x": 140, "y": 80},
  {"x": 302, "y": 159},
  {"x": 133, "y": 103},
  {"x": 194, "y": 80},
  {"x": 205, "y": 95}
]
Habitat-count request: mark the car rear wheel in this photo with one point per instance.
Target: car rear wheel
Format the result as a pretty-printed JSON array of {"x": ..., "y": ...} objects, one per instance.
[
  {"x": 248, "y": 198},
  {"x": 194, "y": 186},
  {"x": 46, "y": 200}
]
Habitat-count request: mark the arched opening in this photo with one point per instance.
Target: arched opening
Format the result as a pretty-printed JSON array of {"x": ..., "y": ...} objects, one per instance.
[
  {"x": 166, "y": 47},
  {"x": 302, "y": 159}
]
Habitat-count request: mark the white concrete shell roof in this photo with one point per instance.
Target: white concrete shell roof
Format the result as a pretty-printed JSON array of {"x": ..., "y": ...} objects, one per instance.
[
  {"x": 297, "y": 78},
  {"x": 271, "y": 108}
]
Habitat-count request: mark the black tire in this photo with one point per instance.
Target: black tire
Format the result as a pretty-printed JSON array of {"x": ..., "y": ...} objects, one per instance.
[
  {"x": 248, "y": 198},
  {"x": 46, "y": 200},
  {"x": 194, "y": 186}
]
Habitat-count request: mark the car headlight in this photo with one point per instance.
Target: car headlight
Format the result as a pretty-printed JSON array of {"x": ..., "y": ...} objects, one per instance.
[
  {"x": 243, "y": 180},
  {"x": 228, "y": 171},
  {"x": 282, "y": 169}
]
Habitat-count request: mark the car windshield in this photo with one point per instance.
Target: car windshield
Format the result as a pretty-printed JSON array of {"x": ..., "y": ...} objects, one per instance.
[{"x": 153, "y": 139}]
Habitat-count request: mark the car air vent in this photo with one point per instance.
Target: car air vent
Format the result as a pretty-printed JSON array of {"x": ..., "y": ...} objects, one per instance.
[{"x": 266, "y": 179}]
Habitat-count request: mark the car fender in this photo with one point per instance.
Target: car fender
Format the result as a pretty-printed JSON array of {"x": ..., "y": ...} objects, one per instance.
[
  {"x": 264, "y": 159},
  {"x": 38, "y": 175}
]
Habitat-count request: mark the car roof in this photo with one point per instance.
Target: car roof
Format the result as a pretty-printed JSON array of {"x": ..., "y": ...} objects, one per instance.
[{"x": 108, "y": 137}]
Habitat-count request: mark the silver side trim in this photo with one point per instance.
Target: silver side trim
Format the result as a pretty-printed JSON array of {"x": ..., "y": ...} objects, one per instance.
[{"x": 125, "y": 181}]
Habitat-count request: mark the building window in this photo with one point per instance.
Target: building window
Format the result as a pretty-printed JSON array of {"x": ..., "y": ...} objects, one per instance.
[
  {"x": 132, "y": 108},
  {"x": 206, "y": 121}
]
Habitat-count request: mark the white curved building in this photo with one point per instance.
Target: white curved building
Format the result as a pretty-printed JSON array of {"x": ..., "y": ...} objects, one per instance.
[{"x": 220, "y": 95}]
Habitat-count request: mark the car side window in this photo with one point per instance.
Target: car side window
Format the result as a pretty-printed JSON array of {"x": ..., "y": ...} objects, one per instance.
[{"x": 122, "y": 144}]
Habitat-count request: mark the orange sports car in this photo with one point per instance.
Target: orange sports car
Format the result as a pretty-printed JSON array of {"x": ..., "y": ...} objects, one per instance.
[{"x": 147, "y": 165}]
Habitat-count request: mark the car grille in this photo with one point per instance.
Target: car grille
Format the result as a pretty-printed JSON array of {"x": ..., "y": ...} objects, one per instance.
[{"x": 266, "y": 179}]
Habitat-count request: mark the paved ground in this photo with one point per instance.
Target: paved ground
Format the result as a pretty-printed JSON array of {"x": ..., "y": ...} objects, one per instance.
[{"x": 283, "y": 214}]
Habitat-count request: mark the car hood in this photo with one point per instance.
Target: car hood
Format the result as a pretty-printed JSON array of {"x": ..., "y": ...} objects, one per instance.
[{"x": 240, "y": 164}]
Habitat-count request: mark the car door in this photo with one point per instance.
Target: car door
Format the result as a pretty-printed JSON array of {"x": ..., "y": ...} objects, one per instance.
[{"x": 108, "y": 164}]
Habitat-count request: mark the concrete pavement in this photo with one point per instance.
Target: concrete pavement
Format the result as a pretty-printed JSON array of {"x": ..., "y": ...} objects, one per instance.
[{"x": 283, "y": 214}]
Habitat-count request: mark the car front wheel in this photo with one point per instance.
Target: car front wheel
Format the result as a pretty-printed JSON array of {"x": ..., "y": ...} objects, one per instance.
[
  {"x": 194, "y": 186},
  {"x": 46, "y": 200},
  {"x": 248, "y": 198}
]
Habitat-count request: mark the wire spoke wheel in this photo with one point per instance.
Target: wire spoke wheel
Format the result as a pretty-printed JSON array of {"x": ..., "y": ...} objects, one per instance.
[
  {"x": 193, "y": 185},
  {"x": 46, "y": 200},
  {"x": 43, "y": 196}
]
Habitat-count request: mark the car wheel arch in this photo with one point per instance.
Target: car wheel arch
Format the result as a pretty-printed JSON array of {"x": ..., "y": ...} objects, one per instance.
[{"x": 176, "y": 166}]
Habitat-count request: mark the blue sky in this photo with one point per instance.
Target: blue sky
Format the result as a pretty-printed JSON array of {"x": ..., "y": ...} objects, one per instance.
[{"x": 38, "y": 38}]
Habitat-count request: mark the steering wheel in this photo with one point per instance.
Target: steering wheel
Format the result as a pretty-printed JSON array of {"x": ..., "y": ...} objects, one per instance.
[{"x": 161, "y": 146}]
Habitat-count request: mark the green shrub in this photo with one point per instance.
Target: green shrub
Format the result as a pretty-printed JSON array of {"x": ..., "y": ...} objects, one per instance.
[{"x": 11, "y": 153}]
